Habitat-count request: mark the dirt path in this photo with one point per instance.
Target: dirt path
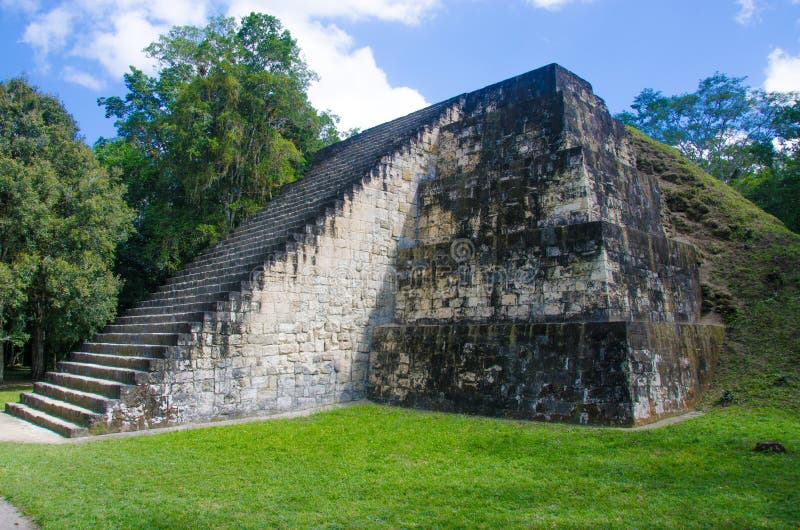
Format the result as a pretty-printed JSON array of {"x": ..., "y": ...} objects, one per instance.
[
  {"x": 672, "y": 420},
  {"x": 16, "y": 430},
  {"x": 11, "y": 519}
]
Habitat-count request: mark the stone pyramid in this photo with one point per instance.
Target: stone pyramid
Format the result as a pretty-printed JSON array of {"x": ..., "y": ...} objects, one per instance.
[{"x": 496, "y": 253}]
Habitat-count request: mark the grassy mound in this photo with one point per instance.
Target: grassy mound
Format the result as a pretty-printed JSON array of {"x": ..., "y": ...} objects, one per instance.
[{"x": 750, "y": 276}]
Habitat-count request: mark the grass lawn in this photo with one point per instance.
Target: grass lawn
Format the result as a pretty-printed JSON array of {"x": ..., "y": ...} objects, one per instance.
[
  {"x": 378, "y": 467},
  {"x": 12, "y": 395}
]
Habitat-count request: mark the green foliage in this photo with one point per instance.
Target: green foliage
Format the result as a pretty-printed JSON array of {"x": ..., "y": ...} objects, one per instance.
[
  {"x": 210, "y": 139},
  {"x": 724, "y": 127},
  {"x": 747, "y": 138},
  {"x": 382, "y": 467},
  {"x": 61, "y": 218},
  {"x": 776, "y": 191}
]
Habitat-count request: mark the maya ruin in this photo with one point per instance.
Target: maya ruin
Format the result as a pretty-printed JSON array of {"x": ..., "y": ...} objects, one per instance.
[{"x": 497, "y": 253}]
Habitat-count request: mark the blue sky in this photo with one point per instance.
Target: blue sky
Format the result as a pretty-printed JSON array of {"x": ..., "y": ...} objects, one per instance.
[{"x": 379, "y": 59}]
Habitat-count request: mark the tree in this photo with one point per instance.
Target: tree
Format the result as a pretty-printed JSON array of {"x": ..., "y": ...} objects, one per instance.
[
  {"x": 747, "y": 138},
  {"x": 209, "y": 140},
  {"x": 61, "y": 218}
]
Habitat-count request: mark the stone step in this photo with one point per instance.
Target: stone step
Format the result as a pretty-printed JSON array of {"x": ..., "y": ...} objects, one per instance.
[
  {"x": 279, "y": 226},
  {"x": 259, "y": 234},
  {"x": 172, "y": 309},
  {"x": 234, "y": 286},
  {"x": 270, "y": 221},
  {"x": 203, "y": 271},
  {"x": 221, "y": 275},
  {"x": 170, "y": 299},
  {"x": 166, "y": 318},
  {"x": 169, "y": 327},
  {"x": 87, "y": 400},
  {"x": 221, "y": 298},
  {"x": 92, "y": 385},
  {"x": 129, "y": 362},
  {"x": 42, "y": 419},
  {"x": 239, "y": 256},
  {"x": 233, "y": 274},
  {"x": 60, "y": 409},
  {"x": 153, "y": 339},
  {"x": 259, "y": 240},
  {"x": 270, "y": 229},
  {"x": 134, "y": 350},
  {"x": 99, "y": 371},
  {"x": 210, "y": 262}
]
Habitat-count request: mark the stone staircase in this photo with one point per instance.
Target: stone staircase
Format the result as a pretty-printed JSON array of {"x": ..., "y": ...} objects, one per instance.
[{"x": 75, "y": 399}]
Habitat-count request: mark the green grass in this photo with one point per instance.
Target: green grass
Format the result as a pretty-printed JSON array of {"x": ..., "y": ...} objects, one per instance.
[
  {"x": 380, "y": 467},
  {"x": 11, "y": 395}
]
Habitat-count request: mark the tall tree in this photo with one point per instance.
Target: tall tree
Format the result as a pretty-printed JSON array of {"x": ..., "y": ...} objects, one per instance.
[
  {"x": 209, "y": 140},
  {"x": 747, "y": 138},
  {"x": 61, "y": 218}
]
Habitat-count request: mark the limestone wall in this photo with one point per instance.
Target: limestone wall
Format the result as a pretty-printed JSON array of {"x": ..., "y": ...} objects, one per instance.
[
  {"x": 584, "y": 272},
  {"x": 305, "y": 340},
  {"x": 299, "y": 335}
]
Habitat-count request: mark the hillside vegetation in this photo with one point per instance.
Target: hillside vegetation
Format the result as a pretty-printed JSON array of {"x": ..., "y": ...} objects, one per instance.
[{"x": 750, "y": 276}]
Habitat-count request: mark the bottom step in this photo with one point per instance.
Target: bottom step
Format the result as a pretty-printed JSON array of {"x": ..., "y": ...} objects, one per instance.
[{"x": 37, "y": 417}]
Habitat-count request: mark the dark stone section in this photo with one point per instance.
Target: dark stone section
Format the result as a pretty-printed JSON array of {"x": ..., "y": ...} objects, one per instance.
[{"x": 609, "y": 373}]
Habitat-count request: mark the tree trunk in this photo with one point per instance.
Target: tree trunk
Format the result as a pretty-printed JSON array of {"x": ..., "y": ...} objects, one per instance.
[{"x": 37, "y": 346}]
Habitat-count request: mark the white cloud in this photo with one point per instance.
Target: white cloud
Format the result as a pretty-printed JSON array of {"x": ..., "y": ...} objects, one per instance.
[
  {"x": 553, "y": 5},
  {"x": 404, "y": 11},
  {"x": 783, "y": 72},
  {"x": 747, "y": 11},
  {"x": 79, "y": 77},
  {"x": 351, "y": 83},
  {"x": 119, "y": 46},
  {"x": 113, "y": 33},
  {"x": 25, "y": 6},
  {"x": 48, "y": 32}
]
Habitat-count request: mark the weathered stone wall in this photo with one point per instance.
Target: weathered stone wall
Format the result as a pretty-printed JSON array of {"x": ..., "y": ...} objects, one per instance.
[
  {"x": 301, "y": 338},
  {"x": 537, "y": 267},
  {"x": 611, "y": 373},
  {"x": 581, "y": 272}
]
